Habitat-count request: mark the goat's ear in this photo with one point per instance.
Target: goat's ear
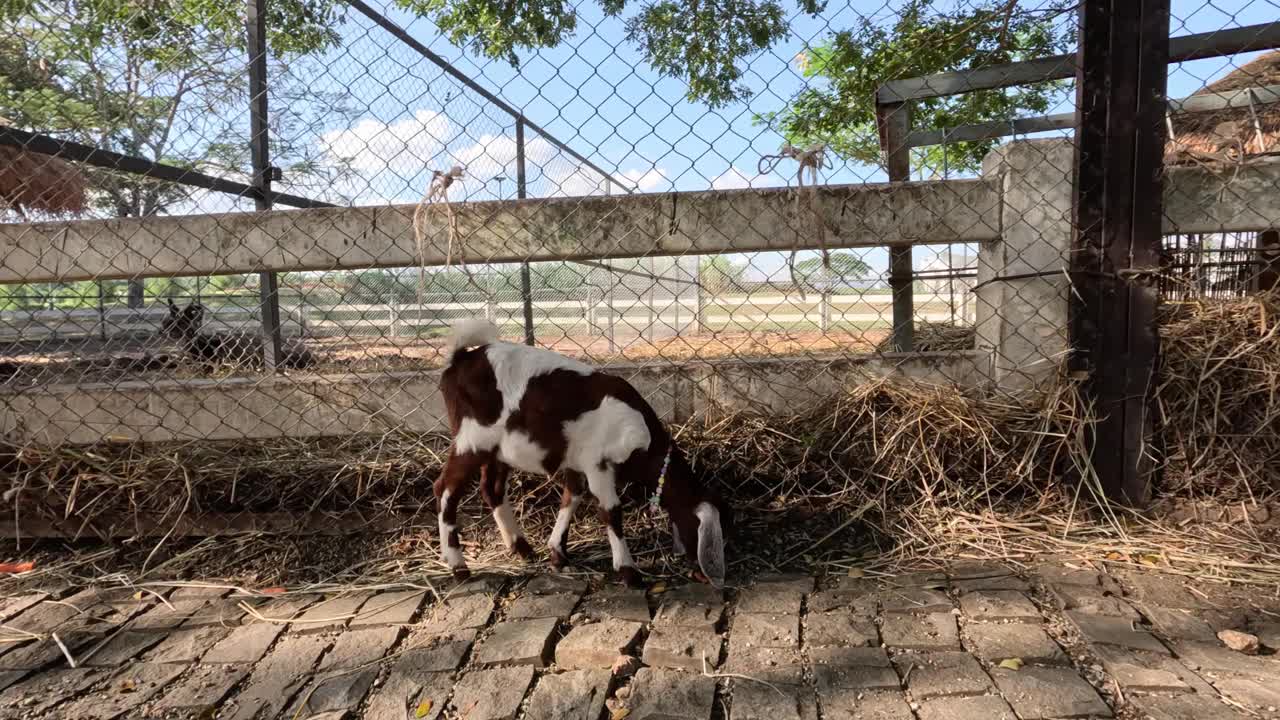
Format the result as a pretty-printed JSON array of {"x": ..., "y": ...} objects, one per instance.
[
  {"x": 676, "y": 543},
  {"x": 710, "y": 543}
]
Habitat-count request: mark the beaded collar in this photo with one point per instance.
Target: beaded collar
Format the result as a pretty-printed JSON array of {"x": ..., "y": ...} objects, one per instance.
[{"x": 656, "y": 497}]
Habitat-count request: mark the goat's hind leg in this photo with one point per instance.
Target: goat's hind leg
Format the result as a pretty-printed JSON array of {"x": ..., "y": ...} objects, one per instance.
[
  {"x": 452, "y": 484},
  {"x": 493, "y": 486}
]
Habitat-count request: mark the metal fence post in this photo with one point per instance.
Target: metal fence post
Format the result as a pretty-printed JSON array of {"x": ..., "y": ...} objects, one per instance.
[
  {"x": 1120, "y": 141},
  {"x": 1269, "y": 256},
  {"x": 268, "y": 282},
  {"x": 522, "y": 191},
  {"x": 894, "y": 121}
]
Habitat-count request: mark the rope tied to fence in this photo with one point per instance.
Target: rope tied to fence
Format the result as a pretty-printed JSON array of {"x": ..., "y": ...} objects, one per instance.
[
  {"x": 437, "y": 192},
  {"x": 813, "y": 158}
]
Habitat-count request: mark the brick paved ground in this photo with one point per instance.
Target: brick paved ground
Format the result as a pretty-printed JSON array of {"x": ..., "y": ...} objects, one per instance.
[{"x": 974, "y": 643}]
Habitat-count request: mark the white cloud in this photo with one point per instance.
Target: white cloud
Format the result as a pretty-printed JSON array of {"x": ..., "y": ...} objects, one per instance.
[
  {"x": 733, "y": 179},
  {"x": 405, "y": 147}
]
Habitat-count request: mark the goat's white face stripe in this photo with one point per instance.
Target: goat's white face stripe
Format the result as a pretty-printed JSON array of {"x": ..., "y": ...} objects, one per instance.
[{"x": 556, "y": 541}]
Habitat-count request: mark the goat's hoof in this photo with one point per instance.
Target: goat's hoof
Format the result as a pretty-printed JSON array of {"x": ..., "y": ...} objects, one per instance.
[
  {"x": 522, "y": 548},
  {"x": 461, "y": 573},
  {"x": 699, "y": 577},
  {"x": 630, "y": 577},
  {"x": 558, "y": 559}
]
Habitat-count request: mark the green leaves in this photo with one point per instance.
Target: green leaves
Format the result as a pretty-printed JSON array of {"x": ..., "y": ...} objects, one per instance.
[
  {"x": 920, "y": 41},
  {"x": 495, "y": 28}
]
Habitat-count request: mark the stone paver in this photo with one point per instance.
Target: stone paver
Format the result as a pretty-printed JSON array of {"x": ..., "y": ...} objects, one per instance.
[
  {"x": 772, "y": 631},
  {"x": 1091, "y": 601},
  {"x": 999, "y": 605},
  {"x": 853, "y": 669},
  {"x": 915, "y": 600},
  {"x": 597, "y": 644},
  {"x": 42, "y": 691},
  {"x": 390, "y": 608},
  {"x": 1118, "y": 631},
  {"x": 436, "y": 653},
  {"x": 551, "y": 584},
  {"x": 1185, "y": 707},
  {"x": 245, "y": 644},
  {"x": 945, "y": 674},
  {"x": 201, "y": 690},
  {"x": 276, "y": 679},
  {"x": 770, "y": 599},
  {"x": 1162, "y": 590},
  {"x": 405, "y": 690},
  {"x": 766, "y": 665},
  {"x": 1056, "y": 573},
  {"x": 785, "y": 581},
  {"x": 330, "y": 614},
  {"x": 186, "y": 645},
  {"x": 121, "y": 648},
  {"x": 858, "y": 705},
  {"x": 995, "y": 642},
  {"x": 532, "y": 607},
  {"x": 11, "y": 607},
  {"x": 616, "y": 604},
  {"x": 458, "y": 613},
  {"x": 1260, "y": 695},
  {"x": 682, "y": 647},
  {"x": 982, "y": 707},
  {"x": 856, "y": 602},
  {"x": 756, "y": 701},
  {"x": 575, "y": 695},
  {"x": 1142, "y": 673},
  {"x": 1040, "y": 693},
  {"x": 670, "y": 695},
  {"x": 935, "y": 631},
  {"x": 1180, "y": 625},
  {"x": 46, "y": 653},
  {"x": 123, "y": 695},
  {"x": 1009, "y": 582},
  {"x": 519, "y": 642},
  {"x": 1218, "y": 659},
  {"x": 48, "y": 614},
  {"x": 839, "y": 629},
  {"x": 491, "y": 694},
  {"x": 692, "y": 606}
]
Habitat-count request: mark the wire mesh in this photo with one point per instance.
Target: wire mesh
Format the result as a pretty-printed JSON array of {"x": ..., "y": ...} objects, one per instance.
[{"x": 640, "y": 201}]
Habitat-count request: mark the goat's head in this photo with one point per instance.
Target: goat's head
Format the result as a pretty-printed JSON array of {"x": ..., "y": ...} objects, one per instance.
[
  {"x": 183, "y": 322},
  {"x": 699, "y": 518}
]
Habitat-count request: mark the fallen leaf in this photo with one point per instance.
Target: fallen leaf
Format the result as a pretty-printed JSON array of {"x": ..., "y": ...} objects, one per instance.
[
  {"x": 208, "y": 713},
  {"x": 128, "y": 685},
  {"x": 1011, "y": 664},
  {"x": 272, "y": 591},
  {"x": 1150, "y": 559},
  {"x": 424, "y": 709},
  {"x": 138, "y": 595},
  {"x": 620, "y": 713},
  {"x": 1115, "y": 556},
  {"x": 856, "y": 572},
  {"x": 658, "y": 588},
  {"x": 20, "y": 567}
]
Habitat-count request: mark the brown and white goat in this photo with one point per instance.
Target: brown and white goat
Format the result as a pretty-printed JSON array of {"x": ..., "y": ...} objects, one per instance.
[{"x": 515, "y": 406}]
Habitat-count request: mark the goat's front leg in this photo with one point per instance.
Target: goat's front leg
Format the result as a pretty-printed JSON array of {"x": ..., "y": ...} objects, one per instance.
[
  {"x": 570, "y": 499},
  {"x": 452, "y": 484},
  {"x": 493, "y": 486},
  {"x": 603, "y": 485}
]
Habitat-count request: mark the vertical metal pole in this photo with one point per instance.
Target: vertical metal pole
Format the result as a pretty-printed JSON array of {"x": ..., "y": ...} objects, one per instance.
[
  {"x": 268, "y": 282},
  {"x": 1122, "y": 73},
  {"x": 522, "y": 191},
  {"x": 1268, "y": 278},
  {"x": 894, "y": 121}
]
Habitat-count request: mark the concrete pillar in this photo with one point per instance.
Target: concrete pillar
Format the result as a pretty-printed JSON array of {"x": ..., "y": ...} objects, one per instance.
[{"x": 1022, "y": 301}]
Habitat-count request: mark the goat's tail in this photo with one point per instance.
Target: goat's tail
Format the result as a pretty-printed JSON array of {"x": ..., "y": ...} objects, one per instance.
[{"x": 470, "y": 333}]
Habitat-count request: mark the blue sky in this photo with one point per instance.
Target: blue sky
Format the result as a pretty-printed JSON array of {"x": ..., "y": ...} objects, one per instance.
[{"x": 596, "y": 94}]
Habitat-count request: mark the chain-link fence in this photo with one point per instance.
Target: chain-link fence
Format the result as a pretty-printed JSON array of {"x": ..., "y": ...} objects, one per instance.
[{"x": 689, "y": 194}]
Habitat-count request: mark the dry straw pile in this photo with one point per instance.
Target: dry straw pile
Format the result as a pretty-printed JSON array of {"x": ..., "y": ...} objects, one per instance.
[{"x": 885, "y": 473}]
